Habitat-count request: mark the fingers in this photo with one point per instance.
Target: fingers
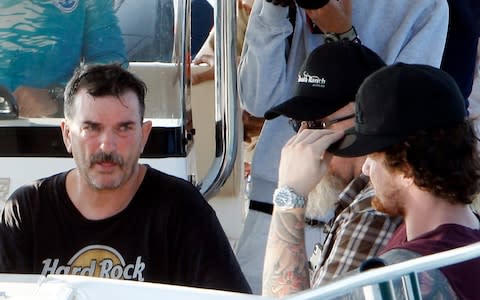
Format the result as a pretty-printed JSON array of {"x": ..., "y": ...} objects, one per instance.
[
  {"x": 200, "y": 77},
  {"x": 309, "y": 136},
  {"x": 205, "y": 59},
  {"x": 304, "y": 161},
  {"x": 246, "y": 6}
]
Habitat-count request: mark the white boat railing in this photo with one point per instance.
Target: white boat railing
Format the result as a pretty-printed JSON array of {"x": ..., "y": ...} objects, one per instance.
[
  {"x": 67, "y": 287},
  {"x": 226, "y": 102},
  {"x": 390, "y": 272}
]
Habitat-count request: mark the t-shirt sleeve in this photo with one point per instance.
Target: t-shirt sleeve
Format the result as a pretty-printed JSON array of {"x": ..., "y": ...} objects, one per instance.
[{"x": 15, "y": 250}]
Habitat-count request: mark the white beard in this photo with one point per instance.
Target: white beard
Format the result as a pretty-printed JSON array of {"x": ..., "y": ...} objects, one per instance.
[
  {"x": 322, "y": 198},
  {"x": 476, "y": 203}
]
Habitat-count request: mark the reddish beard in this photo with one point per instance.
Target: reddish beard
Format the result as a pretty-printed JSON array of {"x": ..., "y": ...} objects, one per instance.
[{"x": 395, "y": 209}]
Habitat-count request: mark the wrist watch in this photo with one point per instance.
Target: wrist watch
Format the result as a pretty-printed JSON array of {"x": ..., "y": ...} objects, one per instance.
[
  {"x": 285, "y": 197},
  {"x": 350, "y": 35},
  {"x": 56, "y": 93}
]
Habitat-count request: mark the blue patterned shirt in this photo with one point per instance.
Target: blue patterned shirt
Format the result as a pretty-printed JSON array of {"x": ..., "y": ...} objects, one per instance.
[{"x": 43, "y": 41}]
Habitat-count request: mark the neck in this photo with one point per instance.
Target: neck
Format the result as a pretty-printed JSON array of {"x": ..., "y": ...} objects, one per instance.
[
  {"x": 96, "y": 204},
  {"x": 425, "y": 212}
]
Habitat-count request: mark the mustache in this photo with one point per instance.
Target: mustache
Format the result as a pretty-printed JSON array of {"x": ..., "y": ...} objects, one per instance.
[{"x": 103, "y": 157}]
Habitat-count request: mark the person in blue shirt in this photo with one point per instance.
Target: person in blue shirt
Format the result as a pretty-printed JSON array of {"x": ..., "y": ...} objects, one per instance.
[{"x": 44, "y": 41}]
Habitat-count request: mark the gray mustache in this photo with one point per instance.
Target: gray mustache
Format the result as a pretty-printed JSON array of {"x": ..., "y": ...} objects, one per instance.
[{"x": 103, "y": 157}]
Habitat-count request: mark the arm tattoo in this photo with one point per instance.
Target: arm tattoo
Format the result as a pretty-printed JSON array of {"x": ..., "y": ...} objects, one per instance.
[{"x": 286, "y": 265}]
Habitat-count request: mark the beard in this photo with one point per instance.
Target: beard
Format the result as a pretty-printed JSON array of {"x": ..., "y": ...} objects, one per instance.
[
  {"x": 323, "y": 197},
  {"x": 394, "y": 208}
]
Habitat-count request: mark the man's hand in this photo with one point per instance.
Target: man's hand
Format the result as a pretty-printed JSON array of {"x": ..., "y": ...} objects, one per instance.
[
  {"x": 335, "y": 17},
  {"x": 246, "y": 5},
  {"x": 304, "y": 160},
  {"x": 34, "y": 103},
  {"x": 206, "y": 75}
]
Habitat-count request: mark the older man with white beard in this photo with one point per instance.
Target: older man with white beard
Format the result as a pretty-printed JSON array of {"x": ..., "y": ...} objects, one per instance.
[{"x": 325, "y": 91}]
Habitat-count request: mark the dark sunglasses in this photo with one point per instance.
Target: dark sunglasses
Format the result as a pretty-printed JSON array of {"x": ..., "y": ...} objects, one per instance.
[{"x": 318, "y": 124}]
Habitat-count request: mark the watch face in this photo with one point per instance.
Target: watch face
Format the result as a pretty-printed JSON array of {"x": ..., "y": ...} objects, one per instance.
[
  {"x": 287, "y": 198},
  {"x": 350, "y": 35}
]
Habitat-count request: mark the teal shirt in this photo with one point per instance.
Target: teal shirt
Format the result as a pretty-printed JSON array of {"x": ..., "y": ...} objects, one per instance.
[{"x": 43, "y": 41}]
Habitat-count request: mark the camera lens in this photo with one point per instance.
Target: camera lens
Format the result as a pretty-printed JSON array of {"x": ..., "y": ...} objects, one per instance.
[{"x": 311, "y": 4}]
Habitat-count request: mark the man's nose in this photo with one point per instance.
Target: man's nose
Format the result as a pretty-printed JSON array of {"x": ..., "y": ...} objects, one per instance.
[{"x": 108, "y": 141}]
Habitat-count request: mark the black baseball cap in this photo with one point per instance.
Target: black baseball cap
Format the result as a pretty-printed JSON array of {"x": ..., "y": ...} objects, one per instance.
[
  {"x": 328, "y": 80},
  {"x": 397, "y": 101}
]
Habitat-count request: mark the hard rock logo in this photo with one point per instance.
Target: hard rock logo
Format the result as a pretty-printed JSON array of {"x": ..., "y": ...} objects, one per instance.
[{"x": 99, "y": 261}]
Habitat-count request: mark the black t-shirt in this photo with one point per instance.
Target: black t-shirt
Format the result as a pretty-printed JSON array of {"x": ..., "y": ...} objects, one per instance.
[{"x": 167, "y": 234}]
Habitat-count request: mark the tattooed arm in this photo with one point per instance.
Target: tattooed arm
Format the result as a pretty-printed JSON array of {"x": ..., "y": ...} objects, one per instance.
[
  {"x": 285, "y": 268},
  {"x": 303, "y": 163}
]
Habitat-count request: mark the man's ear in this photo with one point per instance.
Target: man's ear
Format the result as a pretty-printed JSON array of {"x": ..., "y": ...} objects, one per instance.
[
  {"x": 66, "y": 134},
  {"x": 146, "y": 128},
  {"x": 407, "y": 176}
]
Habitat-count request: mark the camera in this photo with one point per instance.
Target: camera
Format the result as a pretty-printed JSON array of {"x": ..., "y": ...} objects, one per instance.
[{"x": 311, "y": 4}]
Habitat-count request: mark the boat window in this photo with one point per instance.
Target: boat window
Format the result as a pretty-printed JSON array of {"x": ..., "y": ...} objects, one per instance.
[{"x": 42, "y": 42}]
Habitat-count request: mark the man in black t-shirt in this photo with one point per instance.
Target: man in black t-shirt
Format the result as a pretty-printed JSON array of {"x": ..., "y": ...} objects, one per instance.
[{"x": 110, "y": 216}]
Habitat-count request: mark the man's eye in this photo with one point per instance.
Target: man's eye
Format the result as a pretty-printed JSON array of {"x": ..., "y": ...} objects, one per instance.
[
  {"x": 90, "y": 127},
  {"x": 125, "y": 128}
]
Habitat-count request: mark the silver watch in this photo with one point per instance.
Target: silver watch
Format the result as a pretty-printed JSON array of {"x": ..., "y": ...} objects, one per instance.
[
  {"x": 56, "y": 93},
  {"x": 286, "y": 197},
  {"x": 349, "y": 35}
]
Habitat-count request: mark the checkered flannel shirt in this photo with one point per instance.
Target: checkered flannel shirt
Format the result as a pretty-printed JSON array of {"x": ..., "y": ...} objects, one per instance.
[{"x": 356, "y": 232}]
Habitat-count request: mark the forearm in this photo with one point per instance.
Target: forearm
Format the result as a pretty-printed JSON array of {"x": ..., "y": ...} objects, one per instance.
[
  {"x": 428, "y": 36},
  {"x": 36, "y": 103},
  {"x": 285, "y": 268},
  {"x": 302, "y": 165},
  {"x": 263, "y": 65}
]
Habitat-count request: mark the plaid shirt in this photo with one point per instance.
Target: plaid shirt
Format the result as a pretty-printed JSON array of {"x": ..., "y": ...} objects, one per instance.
[{"x": 356, "y": 232}]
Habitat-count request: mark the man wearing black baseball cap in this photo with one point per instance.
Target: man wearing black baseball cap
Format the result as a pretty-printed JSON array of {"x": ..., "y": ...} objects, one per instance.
[
  {"x": 328, "y": 80},
  {"x": 422, "y": 162},
  {"x": 323, "y": 99},
  {"x": 280, "y": 36}
]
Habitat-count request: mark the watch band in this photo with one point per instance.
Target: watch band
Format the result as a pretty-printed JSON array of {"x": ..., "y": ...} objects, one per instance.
[
  {"x": 350, "y": 35},
  {"x": 56, "y": 93},
  {"x": 285, "y": 197}
]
